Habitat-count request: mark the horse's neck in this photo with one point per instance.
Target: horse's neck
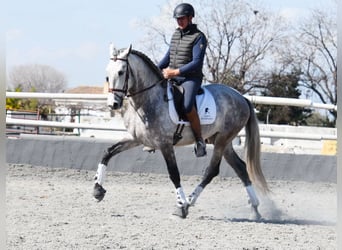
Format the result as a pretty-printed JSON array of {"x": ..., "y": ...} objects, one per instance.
[
  {"x": 144, "y": 108},
  {"x": 148, "y": 83},
  {"x": 147, "y": 97},
  {"x": 143, "y": 70}
]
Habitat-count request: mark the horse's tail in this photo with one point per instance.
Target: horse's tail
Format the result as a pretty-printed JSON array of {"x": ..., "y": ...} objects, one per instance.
[{"x": 252, "y": 146}]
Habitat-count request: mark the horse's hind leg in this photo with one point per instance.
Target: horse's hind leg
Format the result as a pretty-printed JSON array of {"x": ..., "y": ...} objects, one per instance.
[
  {"x": 211, "y": 171},
  {"x": 240, "y": 169}
]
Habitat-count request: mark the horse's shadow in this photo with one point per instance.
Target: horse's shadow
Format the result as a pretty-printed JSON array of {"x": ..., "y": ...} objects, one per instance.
[{"x": 272, "y": 221}]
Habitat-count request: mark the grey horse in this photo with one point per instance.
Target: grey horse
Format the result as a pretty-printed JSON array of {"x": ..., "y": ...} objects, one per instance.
[{"x": 138, "y": 90}]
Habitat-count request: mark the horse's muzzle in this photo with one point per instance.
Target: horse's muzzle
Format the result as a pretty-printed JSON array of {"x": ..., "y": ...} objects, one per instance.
[{"x": 117, "y": 102}]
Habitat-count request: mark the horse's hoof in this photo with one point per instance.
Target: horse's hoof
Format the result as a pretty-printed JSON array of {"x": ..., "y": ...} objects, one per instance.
[
  {"x": 191, "y": 200},
  {"x": 182, "y": 211},
  {"x": 99, "y": 192},
  {"x": 255, "y": 216}
]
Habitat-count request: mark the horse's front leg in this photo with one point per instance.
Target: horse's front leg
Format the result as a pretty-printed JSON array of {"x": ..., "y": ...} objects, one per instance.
[
  {"x": 99, "y": 191},
  {"x": 170, "y": 159}
]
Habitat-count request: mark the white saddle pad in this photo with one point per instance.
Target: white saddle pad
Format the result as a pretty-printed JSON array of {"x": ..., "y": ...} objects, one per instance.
[{"x": 205, "y": 104}]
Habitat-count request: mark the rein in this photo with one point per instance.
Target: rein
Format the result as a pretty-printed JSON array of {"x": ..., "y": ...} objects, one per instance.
[
  {"x": 145, "y": 89},
  {"x": 125, "y": 88}
]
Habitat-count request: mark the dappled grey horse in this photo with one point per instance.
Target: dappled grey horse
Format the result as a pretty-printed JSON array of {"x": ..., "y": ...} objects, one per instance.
[{"x": 138, "y": 89}]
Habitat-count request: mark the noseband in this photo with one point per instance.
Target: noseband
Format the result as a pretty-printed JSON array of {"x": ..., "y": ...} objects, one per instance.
[{"x": 125, "y": 86}]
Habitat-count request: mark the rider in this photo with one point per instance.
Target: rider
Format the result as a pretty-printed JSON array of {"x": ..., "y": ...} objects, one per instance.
[{"x": 183, "y": 62}]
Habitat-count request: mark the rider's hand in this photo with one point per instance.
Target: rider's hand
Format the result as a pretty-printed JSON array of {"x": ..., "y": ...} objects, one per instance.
[{"x": 169, "y": 73}]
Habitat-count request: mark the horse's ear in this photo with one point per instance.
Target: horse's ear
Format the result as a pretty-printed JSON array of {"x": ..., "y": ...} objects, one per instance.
[
  {"x": 112, "y": 51},
  {"x": 127, "y": 51}
]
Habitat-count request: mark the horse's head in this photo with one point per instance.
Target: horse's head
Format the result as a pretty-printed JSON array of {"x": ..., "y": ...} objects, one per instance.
[{"x": 118, "y": 74}]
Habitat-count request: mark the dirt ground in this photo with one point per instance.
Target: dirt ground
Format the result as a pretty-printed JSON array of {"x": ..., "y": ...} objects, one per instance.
[{"x": 54, "y": 209}]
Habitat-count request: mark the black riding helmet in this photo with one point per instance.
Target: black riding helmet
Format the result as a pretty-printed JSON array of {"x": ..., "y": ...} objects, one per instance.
[{"x": 183, "y": 9}]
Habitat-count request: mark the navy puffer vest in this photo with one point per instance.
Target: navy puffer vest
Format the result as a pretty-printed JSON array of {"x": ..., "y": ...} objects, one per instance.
[{"x": 181, "y": 48}]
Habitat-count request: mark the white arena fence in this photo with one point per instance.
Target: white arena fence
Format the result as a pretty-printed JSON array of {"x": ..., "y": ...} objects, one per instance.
[{"x": 101, "y": 98}]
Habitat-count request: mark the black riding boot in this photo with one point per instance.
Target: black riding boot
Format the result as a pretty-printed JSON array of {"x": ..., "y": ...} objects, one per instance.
[{"x": 196, "y": 129}]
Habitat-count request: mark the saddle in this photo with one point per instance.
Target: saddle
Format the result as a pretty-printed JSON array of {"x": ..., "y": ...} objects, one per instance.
[{"x": 205, "y": 105}]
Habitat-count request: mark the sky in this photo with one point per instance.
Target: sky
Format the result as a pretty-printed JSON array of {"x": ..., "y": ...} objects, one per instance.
[{"x": 73, "y": 36}]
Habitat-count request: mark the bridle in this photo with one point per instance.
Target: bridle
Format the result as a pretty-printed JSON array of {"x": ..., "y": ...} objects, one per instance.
[{"x": 125, "y": 86}]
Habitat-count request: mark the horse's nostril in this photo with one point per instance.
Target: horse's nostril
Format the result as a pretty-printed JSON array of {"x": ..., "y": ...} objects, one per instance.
[
  {"x": 116, "y": 106},
  {"x": 117, "y": 103}
]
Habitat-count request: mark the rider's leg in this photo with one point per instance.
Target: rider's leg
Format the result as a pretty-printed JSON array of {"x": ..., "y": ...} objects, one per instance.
[
  {"x": 193, "y": 118},
  {"x": 191, "y": 88}
]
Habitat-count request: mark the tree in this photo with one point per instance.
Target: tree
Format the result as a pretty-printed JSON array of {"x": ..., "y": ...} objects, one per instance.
[
  {"x": 41, "y": 78},
  {"x": 34, "y": 78},
  {"x": 159, "y": 27},
  {"x": 318, "y": 120},
  {"x": 246, "y": 44},
  {"x": 314, "y": 50},
  {"x": 14, "y": 103},
  {"x": 22, "y": 104},
  {"x": 283, "y": 85},
  {"x": 240, "y": 38}
]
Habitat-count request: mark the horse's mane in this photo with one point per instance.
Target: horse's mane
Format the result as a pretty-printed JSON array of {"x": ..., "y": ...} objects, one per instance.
[{"x": 148, "y": 61}]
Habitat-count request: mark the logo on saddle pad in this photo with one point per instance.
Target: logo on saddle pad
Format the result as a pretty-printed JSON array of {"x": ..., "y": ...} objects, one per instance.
[{"x": 206, "y": 107}]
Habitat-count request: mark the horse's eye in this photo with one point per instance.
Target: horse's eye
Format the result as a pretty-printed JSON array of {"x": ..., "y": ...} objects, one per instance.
[{"x": 120, "y": 73}]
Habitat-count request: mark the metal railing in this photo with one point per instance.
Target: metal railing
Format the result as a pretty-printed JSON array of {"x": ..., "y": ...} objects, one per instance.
[{"x": 102, "y": 98}]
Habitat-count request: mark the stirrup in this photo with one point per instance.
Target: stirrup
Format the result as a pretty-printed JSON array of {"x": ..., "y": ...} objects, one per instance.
[{"x": 200, "y": 148}]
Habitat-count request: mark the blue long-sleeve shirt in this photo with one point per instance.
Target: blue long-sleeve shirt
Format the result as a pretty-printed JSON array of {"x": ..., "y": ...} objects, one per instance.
[{"x": 198, "y": 53}]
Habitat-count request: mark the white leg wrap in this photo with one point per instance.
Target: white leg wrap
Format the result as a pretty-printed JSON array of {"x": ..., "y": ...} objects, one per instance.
[
  {"x": 194, "y": 195},
  {"x": 100, "y": 174},
  {"x": 252, "y": 196},
  {"x": 181, "y": 199}
]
